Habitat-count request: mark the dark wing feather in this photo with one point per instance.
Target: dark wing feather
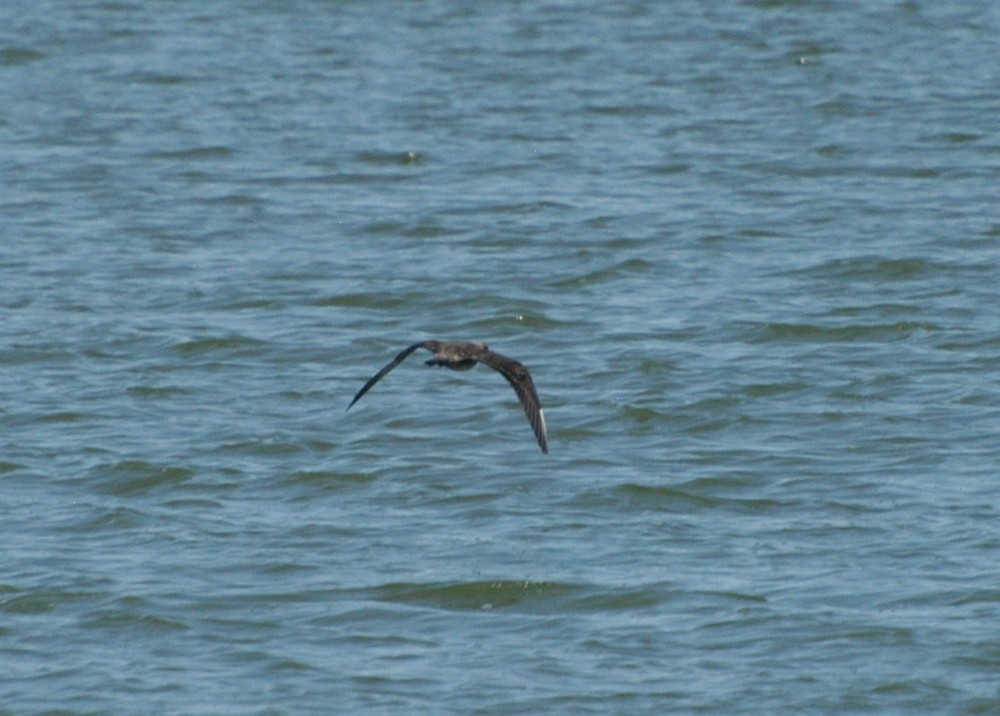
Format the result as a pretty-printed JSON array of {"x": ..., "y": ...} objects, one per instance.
[
  {"x": 378, "y": 376},
  {"x": 520, "y": 379}
]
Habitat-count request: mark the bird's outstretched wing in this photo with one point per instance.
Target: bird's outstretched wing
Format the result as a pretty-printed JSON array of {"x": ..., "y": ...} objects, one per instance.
[
  {"x": 520, "y": 379},
  {"x": 378, "y": 376}
]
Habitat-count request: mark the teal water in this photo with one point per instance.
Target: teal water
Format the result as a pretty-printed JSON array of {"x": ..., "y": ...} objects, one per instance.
[{"x": 750, "y": 252}]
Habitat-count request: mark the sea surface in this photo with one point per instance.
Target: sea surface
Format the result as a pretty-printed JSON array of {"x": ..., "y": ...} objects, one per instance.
[{"x": 749, "y": 250}]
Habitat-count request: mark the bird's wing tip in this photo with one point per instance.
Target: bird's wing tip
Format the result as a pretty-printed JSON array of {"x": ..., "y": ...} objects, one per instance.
[{"x": 544, "y": 441}]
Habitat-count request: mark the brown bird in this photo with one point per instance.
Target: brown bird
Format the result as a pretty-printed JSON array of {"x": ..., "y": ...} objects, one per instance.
[{"x": 463, "y": 356}]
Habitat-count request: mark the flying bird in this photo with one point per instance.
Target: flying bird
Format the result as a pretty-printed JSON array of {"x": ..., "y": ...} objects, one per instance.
[{"x": 463, "y": 356}]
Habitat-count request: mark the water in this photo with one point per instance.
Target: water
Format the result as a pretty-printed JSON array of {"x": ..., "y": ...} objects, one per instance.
[{"x": 748, "y": 250}]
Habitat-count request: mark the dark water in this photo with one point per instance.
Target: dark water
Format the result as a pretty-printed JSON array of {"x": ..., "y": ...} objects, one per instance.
[{"x": 749, "y": 250}]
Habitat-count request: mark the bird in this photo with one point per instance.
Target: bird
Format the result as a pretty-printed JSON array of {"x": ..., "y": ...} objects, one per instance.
[{"x": 464, "y": 356}]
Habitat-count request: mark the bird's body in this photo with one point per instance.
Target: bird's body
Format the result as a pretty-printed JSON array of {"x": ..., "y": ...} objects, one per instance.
[{"x": 464, "y": 356}]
